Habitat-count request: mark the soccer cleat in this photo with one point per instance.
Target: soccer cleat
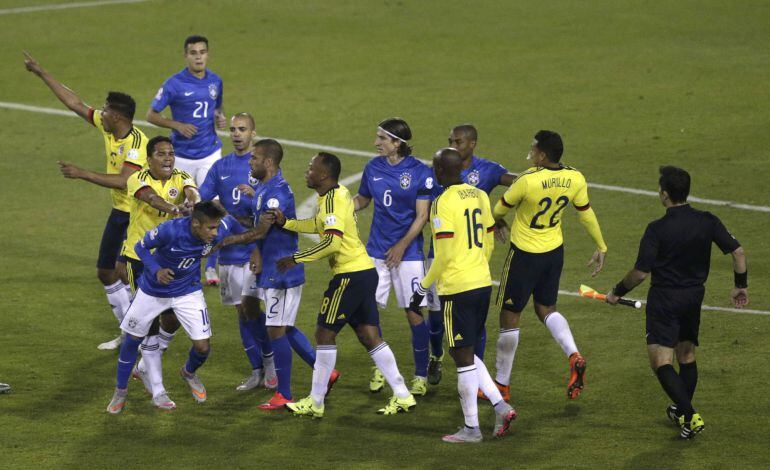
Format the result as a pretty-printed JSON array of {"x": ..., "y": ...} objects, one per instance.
[
  {"x": 398, "y": 405},
  {"x": 692, "y": 427},
  {"x": 277, "y": 401},
  {"x": 5, "y": 388},
  {"x": 271, "y": 379},
  {"x": 306, "y": 407},
  {"x": 332, "y": 380},
  {"x": 672, "y": 413},
  {"x": 503, "y": 421},
  {"x": 434, "y": 369},
  {"x": 212, "y": 278},
  {"x": 464, "y": 435},
  {"x": 118, "y": 401},
  {"x": 163, "y": 402},
  {"x": 505, "y": 391},
  {"x": 419, "y": 386},
  {"x": 377, "y": 382},
  {"x": 141, "y": 374},
  {"x": 196, "y": 386},
  {"x": 577, "y": 369},
  {"x": 251, "y": 382},
  {"x": 111, "y": 344}
]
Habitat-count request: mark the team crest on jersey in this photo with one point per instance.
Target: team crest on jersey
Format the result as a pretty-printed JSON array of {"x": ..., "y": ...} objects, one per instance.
[
  {"x": 429, "y": 183},
  {"x": 206, "y": 249},
  {"x": 120, "y": 149},
  {"x": 213, "y": 91},
  {"x": 173, "y": 192},
  {"x": 473, "y": 178},
  {"x": 405, "y": 180},
  {"x": 272, "y": 203}
]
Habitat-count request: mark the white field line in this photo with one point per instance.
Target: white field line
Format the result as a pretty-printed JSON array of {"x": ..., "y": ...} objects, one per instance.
[
  {"x": 305, "y": 208},
  {"x": 64, "y": 6}
]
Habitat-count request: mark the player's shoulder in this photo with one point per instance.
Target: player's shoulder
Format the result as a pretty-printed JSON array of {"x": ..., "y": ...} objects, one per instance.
[
  {"x": 212, "y": 76},
  {"x": 142, "y": 175},
  {"x": 531, "y": 172},
  {"x": 572, "y": 170},
  {"x": 487, "y": 163},
  {"x": 181, "y": 174}
]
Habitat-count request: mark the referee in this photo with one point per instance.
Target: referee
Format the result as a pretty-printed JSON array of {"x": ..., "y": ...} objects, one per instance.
[{"x": 676, "y": 249}]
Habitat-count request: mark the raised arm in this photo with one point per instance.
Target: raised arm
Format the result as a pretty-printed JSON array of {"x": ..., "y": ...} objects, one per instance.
[
  {"x": 64, "y": 94},
  {"x": 102, "y": 179}
]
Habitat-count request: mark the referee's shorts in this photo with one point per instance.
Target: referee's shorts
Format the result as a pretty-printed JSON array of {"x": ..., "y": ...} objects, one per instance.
[
  {"x": 673, "y": 315},
  {"x": 350, "y": 299},
  {"x": 465, "y": 315},
  {"x": 528, "y": 274}
]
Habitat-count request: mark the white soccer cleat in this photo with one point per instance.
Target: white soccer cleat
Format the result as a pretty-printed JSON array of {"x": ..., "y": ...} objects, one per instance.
[
  {"x": 141, "y": 374},
  {"x": 503, "y": 421},
  {"x": 163, "y": 402},
  {"x": 196, "y": 386},
  {"x": 464, "y": 435},
  {"x": 118, "y": 401},
  {"x": 251, "y": 382},
  {"x": 212, "y": 278},
  {"x": 112, "y": 344}
]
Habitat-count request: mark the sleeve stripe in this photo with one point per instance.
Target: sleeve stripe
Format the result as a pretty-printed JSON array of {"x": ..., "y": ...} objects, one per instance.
[
  {"x": 583, "y": 208},
  {"x": 332, "y": 231},
  {"x": 505, "y": 203},
  {"x": 91, "y": 112},
  {"x": 140, "y": 190},
  {"x": 327, "y": 240},
  {"x": 491, "y": 229},
  {"x": 445, "y": 235},
  {"x": 132, "y": 165}
]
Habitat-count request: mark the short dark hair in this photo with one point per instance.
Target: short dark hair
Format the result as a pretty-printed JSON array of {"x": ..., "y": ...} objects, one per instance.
[
  {"x": 550, "y": 144},
  {"x": 208, "y": 210},
  {"x": 468, "y": 129},
  {"x": 332, "y": 163},
  {"x": 398, "y": 127},
  {"x": 195, "y": 39},
  {"x": 676, "y": 182},
  {"x": 271, "y": 149},
  {"x": 154, "y": 143},
  {"x": 122, "y": 104}
]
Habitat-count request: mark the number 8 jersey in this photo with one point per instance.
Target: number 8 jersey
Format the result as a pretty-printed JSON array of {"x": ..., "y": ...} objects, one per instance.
[{"x": 540, "y": 195}]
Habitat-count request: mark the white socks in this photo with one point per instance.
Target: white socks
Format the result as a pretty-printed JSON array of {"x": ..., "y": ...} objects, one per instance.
[
  {"x": 325, "y": 360},
  {"x": 385, "y": 360},
  {"x": 507, "y": 343},
  {"x": 468, "y": 387},
  {"x": 485, "y": 382},
  {"x": 560, "y": 331},
  {"x": 164, "y": 338},
  {"x": 119, "y": 299},
  {"x": 151, "y": 362}
]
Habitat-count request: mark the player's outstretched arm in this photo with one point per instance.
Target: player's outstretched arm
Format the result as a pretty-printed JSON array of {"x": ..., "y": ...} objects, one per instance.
[
  {"x": 64, "y": 94},
  {"x": 101, "y": 179},
  {"x": 148, "y": 195},
  {"x": 740, "y": 293}
]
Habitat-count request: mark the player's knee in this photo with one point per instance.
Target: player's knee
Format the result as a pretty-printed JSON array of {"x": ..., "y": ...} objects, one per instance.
[
  {"x": 414, "y": 318},
  {"x": 106, "y": 276},
  {"x": 169, "y": 322},
  {"x": 324, "y": 336},
  {"x": 275, "y": 332},
  {"x": 509, "y": 319},
  {"x": 202, "y": 347}
]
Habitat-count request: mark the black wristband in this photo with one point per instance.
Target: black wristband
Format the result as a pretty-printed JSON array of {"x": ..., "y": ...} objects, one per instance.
[
  {"x": 741, "y": 279},
  {"x": 620, "y": 289}
]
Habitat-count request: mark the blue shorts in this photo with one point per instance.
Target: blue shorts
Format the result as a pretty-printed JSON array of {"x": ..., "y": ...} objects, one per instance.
[
  {"x": 350, "y": 299},
  {"x": 465, "y": 315},
  {"x": 528, "y": 275},
  {"x": 112, "y": 239}
]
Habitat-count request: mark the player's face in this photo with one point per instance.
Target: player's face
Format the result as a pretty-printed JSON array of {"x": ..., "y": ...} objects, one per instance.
[
  {"x": 257, "y": 164},
  {"x": 161, "y": 161},
  {"x": 241, "y": 134},
  {"x": 535, "y": 155},
  {"x": 385, "y": 145},
  {"x": 109, "y": 117},
  {"x": 206, "y": 229},
  {"x": 315, "y": 173},
  {"x": 197, "y": 55},
  {"x": 460, "y": 142}
]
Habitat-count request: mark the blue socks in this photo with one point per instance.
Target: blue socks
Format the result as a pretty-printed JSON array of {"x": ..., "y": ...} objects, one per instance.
[
  {"x": 250, "y": 345},
  {"x": 481, "y": 346},
  {"x": 128, "y": 352},
  {"x": 283, "y": 359},
  {"x": 436, "y": 321},
  {"x": 420, "y": 343},
  {"x": 195, "y": 360},
  {"x": 258, "y": 331},
  {"x": 301, "y": 345}
]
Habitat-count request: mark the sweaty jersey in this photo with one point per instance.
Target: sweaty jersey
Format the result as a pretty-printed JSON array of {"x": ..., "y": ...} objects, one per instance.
[
  {"x": 193, "y": 101},
  {"x": 540, "y": 195},
  {"x": 335, "y": 222},
  {"x": 395, "y": 190},
  {"x": 279, "y": 242},
  {"x": 144, "y": 217},
  {"x": 131, "y": 151},
  {"x": 222, "y": 181},
  {"x": 462, "y": 226},
  {"x": 178, "y": 249}
]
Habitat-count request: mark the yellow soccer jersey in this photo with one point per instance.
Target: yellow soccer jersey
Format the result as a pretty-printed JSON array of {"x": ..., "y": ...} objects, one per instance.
[
  {"x": 539, "y": 196},
  {"x": 463, "y": 240},
  {"x": 130, "y": 150},
  {"x": 335, "y": 222},
  {"x": 144, "y": 217}
]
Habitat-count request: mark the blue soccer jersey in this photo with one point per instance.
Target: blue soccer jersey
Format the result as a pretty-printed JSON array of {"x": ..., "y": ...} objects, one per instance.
[
  {"x": 178, "y": 249},
  {"x": 222, "y": 181},
  {"x": 278, "y": 243},
  {"x": 193, "y": 101},
  {"x": 395, "y": 190}
]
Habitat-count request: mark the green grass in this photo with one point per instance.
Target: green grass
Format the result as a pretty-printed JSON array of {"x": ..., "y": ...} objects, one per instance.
[{"x": 630, "y": 85}]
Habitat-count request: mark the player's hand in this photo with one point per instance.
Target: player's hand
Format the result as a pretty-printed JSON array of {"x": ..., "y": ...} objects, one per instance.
[
  {"x": 255, "y": 261},
  {"x": 286, "y": 263},
  {"x": 221, "y": 120},
  {"x": 280, "y": 219},
  {"x": 502, "y": 233},
  {"x": 187, "y": 130},
  {"x": 598, "y": 259},
  {"x": 69, "y": 170},
  {"x": 417, "y": 298},
  {"x": 739, "y": 297},
  {"x": 186, "y": 208},
  {"x": 165, "y": 275},
  {"x": 246, "y": 189},
  {"x": 611, "y": 298},
  {"x": 394, "y": 254},
  {"x": 32, "y": 65}
]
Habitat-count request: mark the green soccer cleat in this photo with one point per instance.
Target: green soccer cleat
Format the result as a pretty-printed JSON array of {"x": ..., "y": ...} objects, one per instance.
[
  {"x": 419, "y": 386},
  {"x": 398, "y": 405},
  {"x": 377, "y": 382},
  {"x": 306, "y": 407},
  {"x": 692, "y": 427},
  {"x": 434, "y": 369}
]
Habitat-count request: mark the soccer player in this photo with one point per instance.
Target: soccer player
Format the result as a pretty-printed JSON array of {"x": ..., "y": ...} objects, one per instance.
[
  {"x": 350, "y": 297},
  {"x": 125, "y": 146},
  {"x": 156, "y": 194},
  {"x": 400, "y": 186},
  {"x": 485, "y": 175},
  {"x": 171, "y": 279},
  {"x": 676, "y": 249},
  {"x": 281, "y": 291},
  {"x": 462, "y": 227},
  {"x": 195, "y": 97},
  {"x": 535, "y": 259}
]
